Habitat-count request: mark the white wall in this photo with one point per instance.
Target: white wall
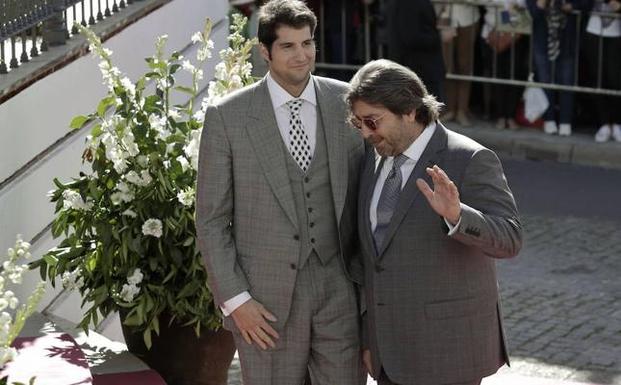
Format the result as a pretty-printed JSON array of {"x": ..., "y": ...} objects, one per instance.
[{"x": 34, "y": 119}]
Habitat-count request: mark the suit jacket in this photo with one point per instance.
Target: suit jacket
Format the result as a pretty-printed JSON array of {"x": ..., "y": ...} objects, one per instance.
[
  {"x": 246, "y": 220},
  {"x": 415, "y": 41},
  {"x": 432, "y": 306}
]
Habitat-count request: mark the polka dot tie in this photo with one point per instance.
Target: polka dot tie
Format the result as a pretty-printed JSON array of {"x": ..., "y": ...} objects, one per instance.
[{"x": 299, "y": 145}]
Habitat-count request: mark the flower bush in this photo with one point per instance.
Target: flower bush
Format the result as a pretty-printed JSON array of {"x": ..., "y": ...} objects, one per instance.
[
  {"x": 12, "y": 315},
  {"x": 127, "y": 227}
]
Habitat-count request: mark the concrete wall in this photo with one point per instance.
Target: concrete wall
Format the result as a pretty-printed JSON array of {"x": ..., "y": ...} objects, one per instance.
[{"x": 33, "y": 120}]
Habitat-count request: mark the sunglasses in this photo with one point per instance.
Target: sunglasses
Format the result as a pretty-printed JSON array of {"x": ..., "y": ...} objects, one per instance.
[{"x": 371, "y": 124}]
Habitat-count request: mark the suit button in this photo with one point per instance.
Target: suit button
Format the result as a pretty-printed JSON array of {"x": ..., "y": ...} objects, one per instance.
[
  {"x": 306, "y": 179},
  {"x": 379, "y": 269},
  {"x": 312, "y": 224},
  {"x": 308, "y": 195},
  {"x": 310, "y": 209},
  {"x": 312, "y": 240},
  {"x": 293, "y": 266},
  {"x": 296, "y": 237}
]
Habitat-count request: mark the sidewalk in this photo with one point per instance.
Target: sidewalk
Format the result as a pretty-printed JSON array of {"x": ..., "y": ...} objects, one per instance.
[{"x": 532, "y": 143}]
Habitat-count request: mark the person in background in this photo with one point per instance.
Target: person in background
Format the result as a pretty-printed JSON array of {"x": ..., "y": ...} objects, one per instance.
[
  {"x": 414, "y": 41},
  {"x": 501, "y": 61},
  {"x": 554, "y": 55},
  {"x": 459, "y": 25},
  {"x": 605, "y": 73}
]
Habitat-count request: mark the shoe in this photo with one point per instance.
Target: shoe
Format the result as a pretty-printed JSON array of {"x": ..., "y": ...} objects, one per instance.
[
  {"x": 448, "y": 116},
  {"x": 501, "y": 123},
  {"x": 603, "y": 134},
  {"x": 616, "y": 132},
  {"x": 462, "y": 119},
  {"x": 564, "y": 129},
  {"x": 549, "y": 127},
  {"x": 512, "y": 124}
]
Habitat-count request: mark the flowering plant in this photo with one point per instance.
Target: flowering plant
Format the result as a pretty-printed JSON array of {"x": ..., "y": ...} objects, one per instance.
[
  {"x": 128, "y": 233},
  {"x": 12, "y": 315}
]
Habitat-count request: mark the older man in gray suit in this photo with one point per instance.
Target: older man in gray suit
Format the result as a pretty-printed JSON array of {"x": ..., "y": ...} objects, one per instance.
[
  {"x": 434, "y": 211},
  {"x": 276, "y": 213}
]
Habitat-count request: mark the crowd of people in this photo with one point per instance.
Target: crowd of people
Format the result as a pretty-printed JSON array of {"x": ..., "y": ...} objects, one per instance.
[{"x": 568, "y": 42}]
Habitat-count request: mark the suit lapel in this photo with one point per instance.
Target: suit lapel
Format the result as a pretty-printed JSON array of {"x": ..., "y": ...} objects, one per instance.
[
  {"x": 333, "y": 120},
  {"x": 369, "y": 179},
  {"x": 266, "y": 140},
  {"x": 410, "y": 192}
]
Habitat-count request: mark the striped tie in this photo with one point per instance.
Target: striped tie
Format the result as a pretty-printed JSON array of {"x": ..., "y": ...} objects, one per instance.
[{"x": 388, "y": 200}]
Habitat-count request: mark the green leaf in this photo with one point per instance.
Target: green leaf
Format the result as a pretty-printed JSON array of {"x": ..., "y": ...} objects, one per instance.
[
  {"x": 186, "y": 90},
  {"x": 79, "y": 122},
  {"x": 104, "y": 104},
  {"x": 147, "y": 338},
  {"x": 132, "y": 319}
]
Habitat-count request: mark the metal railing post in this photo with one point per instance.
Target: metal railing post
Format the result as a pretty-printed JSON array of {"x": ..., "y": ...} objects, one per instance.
[{"x": 54, "y": 31}]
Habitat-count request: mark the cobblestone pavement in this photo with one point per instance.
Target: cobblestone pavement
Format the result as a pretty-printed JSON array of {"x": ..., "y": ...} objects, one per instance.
[{"x": 561, "y": 301}]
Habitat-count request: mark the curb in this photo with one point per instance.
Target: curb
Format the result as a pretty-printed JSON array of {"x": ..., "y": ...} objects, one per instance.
[{"x": 529, "y": 143}]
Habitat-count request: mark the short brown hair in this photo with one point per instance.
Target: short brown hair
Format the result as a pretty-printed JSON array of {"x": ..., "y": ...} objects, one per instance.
[{"x": 276, "y": 13}]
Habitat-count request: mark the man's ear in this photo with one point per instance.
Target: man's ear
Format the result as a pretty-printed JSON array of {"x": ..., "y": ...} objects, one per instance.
[
  {"x": 410, "y": 117},
  {"x": 264, "y": 52}
]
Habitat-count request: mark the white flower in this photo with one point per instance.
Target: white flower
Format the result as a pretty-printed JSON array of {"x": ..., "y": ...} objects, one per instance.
[
  {"x": 128, "y": 292},
  {"x": 188, "y": 66},
  {"x": 173, "y": 113},
  {"x": 220, "y": 71},
  {"x": 129, "y": 86},
  {"x": 184, "y": 162},
  {"x": 133, "y": 177},
  {"x": 203, "y": 54},
  {"x": 159, "y": 125},
  {"x": 186, "y": 197},
  {"x": 129, "y": 213},
  {"x": 144, "y": 179},
  {"x": 191, "y": 149},
  {"x": 135, "y": 278},
  {"x": 129, "y": 143},
  {"x": 73, "y": 200},
  {"x": 199, "y": 116},
  {"x": 235, "y": 82},
  {"x": 11, "y": 299},
  {"x": 152, "y": 227},
  {"x": 72, "y": 280},
  {"x": 143, "y": 160},
  {"x": 197, "y": 37}
]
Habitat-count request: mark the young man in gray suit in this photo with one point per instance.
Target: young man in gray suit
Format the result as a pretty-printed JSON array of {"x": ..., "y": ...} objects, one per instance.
[
  {"x": 276, "y": 212},
  {"x": 434, "y": 212}
]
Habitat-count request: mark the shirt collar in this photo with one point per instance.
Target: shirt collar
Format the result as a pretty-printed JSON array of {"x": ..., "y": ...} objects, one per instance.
[{"x": 280, "y": 96}]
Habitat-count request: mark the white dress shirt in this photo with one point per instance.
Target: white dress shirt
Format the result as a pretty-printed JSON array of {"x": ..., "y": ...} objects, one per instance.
[
  {"x": 413, "y": 153},
  {"x": 308, "y": 114}
]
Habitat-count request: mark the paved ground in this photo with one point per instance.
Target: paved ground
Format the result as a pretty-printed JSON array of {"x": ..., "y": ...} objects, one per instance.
[{"x": 561, "y": 299}]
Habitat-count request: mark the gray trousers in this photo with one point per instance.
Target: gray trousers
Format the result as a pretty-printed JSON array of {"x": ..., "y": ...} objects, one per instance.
[{"x": 321, "y": 335}]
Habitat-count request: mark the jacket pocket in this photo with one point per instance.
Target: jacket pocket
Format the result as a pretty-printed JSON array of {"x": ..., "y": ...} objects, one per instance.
[{"x": 459, "y": 308}]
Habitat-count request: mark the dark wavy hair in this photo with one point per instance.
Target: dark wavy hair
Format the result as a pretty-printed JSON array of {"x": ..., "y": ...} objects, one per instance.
[{"x": 399, "y": 89}]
